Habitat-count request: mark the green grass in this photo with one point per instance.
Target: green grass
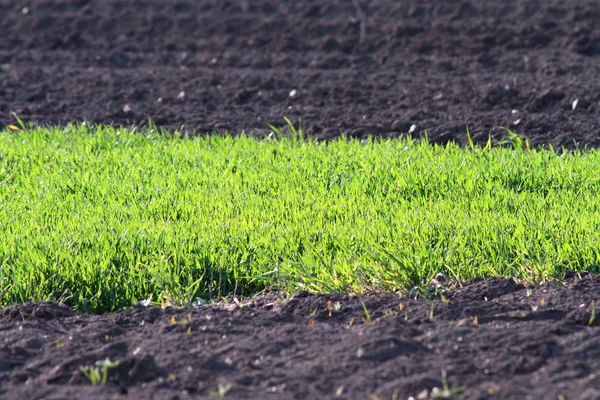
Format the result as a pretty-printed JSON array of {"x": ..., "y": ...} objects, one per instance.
[{"x": 103, "y": 217}]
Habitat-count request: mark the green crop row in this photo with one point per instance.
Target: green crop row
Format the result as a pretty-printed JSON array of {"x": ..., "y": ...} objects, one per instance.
[{"x": 102, "y": 217}]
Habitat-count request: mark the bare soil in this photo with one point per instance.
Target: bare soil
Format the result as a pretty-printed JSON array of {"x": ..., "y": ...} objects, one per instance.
[
  {"x": 376, "y": 67},
  {"x": 366, "y": 67},
  {"x": 489, "y": 339}
]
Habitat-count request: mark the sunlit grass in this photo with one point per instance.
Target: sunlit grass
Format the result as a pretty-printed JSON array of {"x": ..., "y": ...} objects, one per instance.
[{"x": 103, "y": 217}]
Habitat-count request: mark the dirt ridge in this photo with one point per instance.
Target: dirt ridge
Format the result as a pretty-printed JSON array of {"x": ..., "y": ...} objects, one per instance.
[
  {"x": 430, "y": 67},
  {"x": 490, "y": 339}
]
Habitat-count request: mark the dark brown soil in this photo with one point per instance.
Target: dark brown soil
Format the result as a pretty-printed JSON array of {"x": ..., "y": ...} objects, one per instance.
[
  {"x": 440, "y": 65},
  {"x": 490, "y": 339}
]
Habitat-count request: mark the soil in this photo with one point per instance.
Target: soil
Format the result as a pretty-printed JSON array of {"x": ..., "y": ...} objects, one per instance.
[
  {"x": 366, "y": 67},
  {"x": 489, "y": 339}
]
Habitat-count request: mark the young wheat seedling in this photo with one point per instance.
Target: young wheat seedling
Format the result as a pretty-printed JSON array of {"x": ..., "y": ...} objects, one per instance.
[
  {"x": 98, "y": 375},
  {"x": 446, "y": 390},
  {"x": 367, "y": 318},
  {"x": 221, "y": 391}
]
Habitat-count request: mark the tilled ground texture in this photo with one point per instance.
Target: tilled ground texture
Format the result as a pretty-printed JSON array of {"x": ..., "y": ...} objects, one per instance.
[
  {"x": 489, "y": 339},
  {"x": 363, "y": 67},
  {"x": 376, "y": 67}
]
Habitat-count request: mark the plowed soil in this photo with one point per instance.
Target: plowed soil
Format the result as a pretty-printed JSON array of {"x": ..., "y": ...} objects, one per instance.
[
  {"x": 490, "y": 339},
  {"x": 366, "y": 67}
]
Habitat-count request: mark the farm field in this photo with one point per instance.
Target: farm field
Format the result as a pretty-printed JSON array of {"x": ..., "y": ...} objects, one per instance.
[
  {"x": 361, "y": 199},
  {"x": 399, "y": 232}
]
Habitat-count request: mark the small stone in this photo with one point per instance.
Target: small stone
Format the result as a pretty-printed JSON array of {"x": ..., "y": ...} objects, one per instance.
[{"x": 439, "y": 280}]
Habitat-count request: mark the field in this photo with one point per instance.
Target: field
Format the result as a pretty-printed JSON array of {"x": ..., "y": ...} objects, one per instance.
[{"x": 255, "y": 199}]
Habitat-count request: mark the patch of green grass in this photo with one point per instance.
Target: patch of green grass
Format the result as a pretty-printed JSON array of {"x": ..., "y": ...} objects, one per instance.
[{"x": 102, "y": 217}]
